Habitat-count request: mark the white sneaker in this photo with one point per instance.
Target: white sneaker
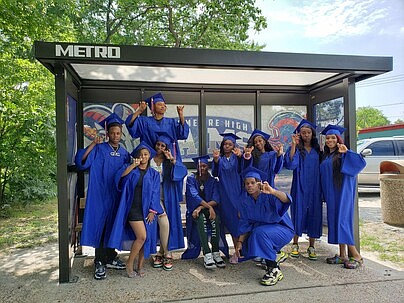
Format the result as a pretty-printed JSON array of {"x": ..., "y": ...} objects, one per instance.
[
  {"x": 218, "y": 260},
  {"x": 208, "y": 261}
]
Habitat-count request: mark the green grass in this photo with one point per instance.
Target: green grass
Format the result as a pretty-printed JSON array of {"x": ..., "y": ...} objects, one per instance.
[
  {"x": 29, "y": 226},
  {"x": 386, "y": 245}
]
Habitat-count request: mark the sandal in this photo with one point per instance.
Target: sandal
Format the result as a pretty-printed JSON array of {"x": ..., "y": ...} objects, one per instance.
[
  {"x": 140, "y": 272},
  {"x": 336, "y": 260},
  {"x": 353, "y": 263}
]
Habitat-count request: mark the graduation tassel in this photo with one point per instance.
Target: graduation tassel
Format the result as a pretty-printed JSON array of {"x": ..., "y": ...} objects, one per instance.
[
  {"x": 152, "y": 106},
  {"x": 199, "y": 167},
  {"x": 174, "y": 151}
]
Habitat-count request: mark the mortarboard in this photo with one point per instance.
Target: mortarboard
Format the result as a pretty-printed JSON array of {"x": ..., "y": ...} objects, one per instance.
[
  {"x": 154, "y": 99},
  {"x": 252, "y": 172},
  {"x": 166, "y": 138},
  {"x": 111, "y": 119},
  {"x": 143, "y": 145},
  {"x": 230, "y": 136},
  {"x": 303, "y": 123},
  {"x": 258, "y": 132},
  {"x": 333, "y": 130},
  {"x": 201, "y": 159}
]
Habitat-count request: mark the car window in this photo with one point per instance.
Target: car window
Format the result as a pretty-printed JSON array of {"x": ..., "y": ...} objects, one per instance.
[
  {"x": 382, "y": 148},
  {"x": 360, "y": 143},
  {"x": 400, "y": 147}
]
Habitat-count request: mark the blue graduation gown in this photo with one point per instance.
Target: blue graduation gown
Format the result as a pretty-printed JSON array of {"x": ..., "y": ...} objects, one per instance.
[
  {"x": 102, "y": 193},
  {"x": 146, "y": 129},
  {"x": 228, "y": 172},
  {"x": 268, "y": 224},
  {"x": 340, "y": 202},
  {"x": 268, "y": 163},
  {"x": 193, "y": 200},
  {"x": 122, "y": 235},
  {"x": 307, "y": 206},
  {"x": 173, "y": 177}
]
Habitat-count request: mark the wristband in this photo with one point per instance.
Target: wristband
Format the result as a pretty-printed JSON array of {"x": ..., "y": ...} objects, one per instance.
[{"x": 152, "y": 211}]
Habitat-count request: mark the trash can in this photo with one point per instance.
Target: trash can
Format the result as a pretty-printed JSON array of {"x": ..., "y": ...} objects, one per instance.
[{"x": 392, "y": 192}]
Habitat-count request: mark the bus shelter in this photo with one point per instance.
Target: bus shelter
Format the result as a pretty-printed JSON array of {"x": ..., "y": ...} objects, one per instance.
[{"x": 222, "y": 91}]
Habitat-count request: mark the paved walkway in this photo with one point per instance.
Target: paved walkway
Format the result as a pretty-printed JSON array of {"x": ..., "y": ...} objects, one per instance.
[{"x": 32, "y": 276}]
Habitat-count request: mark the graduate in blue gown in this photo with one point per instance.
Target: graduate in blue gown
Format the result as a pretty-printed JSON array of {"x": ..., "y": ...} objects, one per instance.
[
  {"x": 147, "y": 128},
  {"x": 202, "y": 219},
  {"x": 227, "y": 167},
  {"x": 172, "y": 174},
  {"x": 260, "y": 154},
  {"x": 135, "y": 227},
  {"x": 103, "y": 160},
  {"x": 338, "y": 172},
  {"x": 303, "y": 157},
  {"x": 265, "y": 226}
]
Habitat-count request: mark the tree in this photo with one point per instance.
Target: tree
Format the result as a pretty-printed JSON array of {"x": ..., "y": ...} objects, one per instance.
[
  {"x": 27, "y": 105},
  {"x": 369, "y": 117},
  {"x": 174, "y": 23},
  {"x": 399, "y": 121}
]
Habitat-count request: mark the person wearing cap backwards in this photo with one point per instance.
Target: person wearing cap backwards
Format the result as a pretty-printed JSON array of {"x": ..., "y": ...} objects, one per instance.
[
  {"x": 103, "y": 159},
  {"x": 202, "y": 198},
  {"x": 260, "y": 154},
  {"x": 338, "y": 172},
  {"x": 172, "y": 174},
  {"x": 303, "y": 157},
  {"x": 135, "y": 227},
  {"x": 227, "y": 167},
  {"x": 146, "y": 128},
  {"x": 265, "y": 225}
]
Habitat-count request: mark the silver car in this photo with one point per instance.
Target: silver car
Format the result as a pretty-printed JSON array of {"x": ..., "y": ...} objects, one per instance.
[{"x": 376, "y": 150}]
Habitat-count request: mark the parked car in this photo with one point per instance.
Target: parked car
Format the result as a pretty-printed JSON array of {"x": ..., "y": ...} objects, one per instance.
[{"x": 376, "y": 150}]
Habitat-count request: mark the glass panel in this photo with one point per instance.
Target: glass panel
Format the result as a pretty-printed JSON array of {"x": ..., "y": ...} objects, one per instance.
[
  {"x": 237, "y": 119},
  {"x": 400, "y": 146},
  {"x": 382, "y": 148},
  {"x": 280, "y": 121},
  {"x": 328, "y": 112}
]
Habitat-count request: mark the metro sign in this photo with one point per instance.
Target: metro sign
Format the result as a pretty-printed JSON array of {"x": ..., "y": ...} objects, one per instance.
[{"x": 88, "y": 51}]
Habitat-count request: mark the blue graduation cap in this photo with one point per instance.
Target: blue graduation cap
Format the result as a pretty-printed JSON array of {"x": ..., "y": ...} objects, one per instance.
[
  {"x": 333, "y": 130},
  {"x": 143, "y": 145},
  {"x": 166, "y": 138},
  {"x": 201, "y": 159},
  {"x": 252, "y": 172},
  {"x": 111, "y": 119},
  {"x": 154, "y": 99},
  {"x": 304, "y": 123},
  {"x": 258, "y": 132},
  {"x": 230, "y": 136}
]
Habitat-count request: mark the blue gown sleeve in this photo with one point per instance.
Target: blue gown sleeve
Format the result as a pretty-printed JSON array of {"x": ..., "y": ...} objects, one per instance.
[
  {"x": 182, "y": 131},
  {"x": 291, "y": 163},
  {"x": 178, "y": 172},
  {"x": 278, "y": 164},
  {"x": 137, "y": 128},
  {"x": 90, "y": 158},
  {"x": 192, "y": 194},
  {"x": 352, "y": 163}
]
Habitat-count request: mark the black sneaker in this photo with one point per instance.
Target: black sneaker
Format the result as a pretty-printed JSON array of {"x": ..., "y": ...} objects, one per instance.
[
  {"x": 100, "y": 271},
  {"x": 272, "y": 276},
  {"x": 116, "y": 264}
]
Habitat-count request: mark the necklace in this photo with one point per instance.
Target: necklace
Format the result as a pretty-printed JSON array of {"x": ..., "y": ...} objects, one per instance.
[{"x": 114, "y": 152}]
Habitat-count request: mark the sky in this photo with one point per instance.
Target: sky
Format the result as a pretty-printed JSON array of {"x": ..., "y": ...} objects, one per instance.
[{"x": 348, "y": 27}]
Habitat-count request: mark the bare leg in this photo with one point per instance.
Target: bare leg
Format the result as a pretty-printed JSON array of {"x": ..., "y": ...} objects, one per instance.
[
  {"x": 164, "y": 226},
  {"x": 140, "y": 263},
  {"x": 354, "y": 252},
  {"x": 311, "y": 241},
  {"x": 295, "y": 239},
  {"x": 140, "y": 232},
  {"x": 343, "y": 251}
]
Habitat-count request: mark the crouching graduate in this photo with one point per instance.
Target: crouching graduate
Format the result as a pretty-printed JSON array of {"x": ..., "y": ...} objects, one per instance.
[
  {"x": 135, "y": 227},
  {"x": 265, "y": 225},
  {"x": 202, "y": 219}
]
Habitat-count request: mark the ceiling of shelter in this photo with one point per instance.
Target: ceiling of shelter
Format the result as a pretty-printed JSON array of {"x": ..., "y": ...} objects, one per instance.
[{"x": 198, "y": 75}]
